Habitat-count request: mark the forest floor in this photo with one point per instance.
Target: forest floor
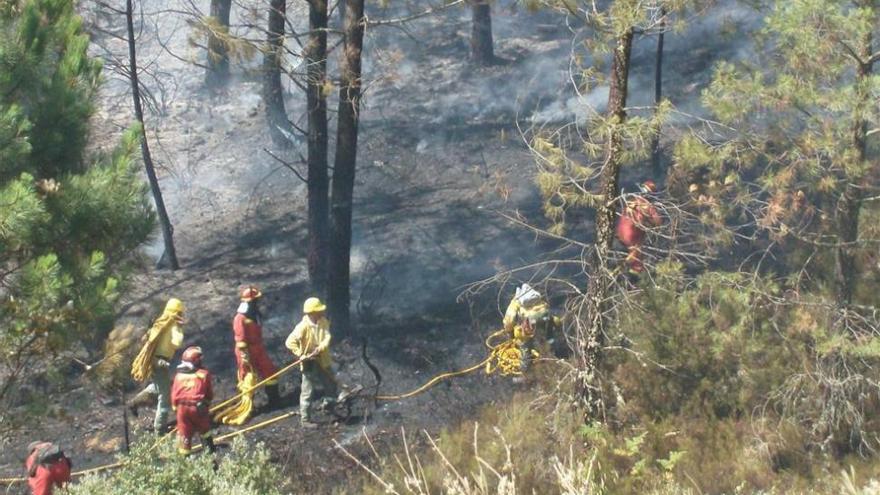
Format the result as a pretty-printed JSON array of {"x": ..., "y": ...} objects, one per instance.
[{"x": 440, "y": 156}]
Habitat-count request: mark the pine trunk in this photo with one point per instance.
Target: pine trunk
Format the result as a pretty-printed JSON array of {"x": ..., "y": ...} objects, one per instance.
[
  {"x": 595, "y": 310},
  {"x": 217, "y": 74},
  {"x": 273, "y": 92},
  {"x": 849, "y": 204},
  {"x": 318, "y": 186},
  {"x": 169, "y": 258},
  {"x": 656, "y": 152},
  {"x": 482, "y": 51},
  {"x": 339, "y": 288}
]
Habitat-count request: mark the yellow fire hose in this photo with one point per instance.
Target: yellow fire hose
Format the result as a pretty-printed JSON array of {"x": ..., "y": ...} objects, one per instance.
[{"x": 505, "y": 362}]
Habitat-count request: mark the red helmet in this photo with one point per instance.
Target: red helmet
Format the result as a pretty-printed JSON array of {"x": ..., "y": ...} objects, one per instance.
[
  {"x": 649, "y": 186},
  {"x": 250, "y": 293},
  {"x": 192, "y": 355}
]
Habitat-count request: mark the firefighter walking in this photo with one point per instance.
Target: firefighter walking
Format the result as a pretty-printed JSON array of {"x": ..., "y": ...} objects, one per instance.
[
  {"x": 154, "y": 362},
  {"x": 191, "y": 397},
  {"x": 250, "y": 353},
  {"x": 310, "y": 340}
]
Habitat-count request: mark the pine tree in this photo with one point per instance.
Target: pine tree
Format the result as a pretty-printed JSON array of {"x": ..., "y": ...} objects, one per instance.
[
  {"x": 613, "y": 139},
  {"x": 342, "y": 191},
  {"x": 799, "y": 155},
  {"x": 217, "y": 73},
  {"x": 317, "y": 87},
  {"x": 68, "y": 222}
]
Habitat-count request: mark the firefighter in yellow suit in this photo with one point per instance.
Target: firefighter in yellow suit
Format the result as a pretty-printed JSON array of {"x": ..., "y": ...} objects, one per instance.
[
  {"x": 310, "y": 340},
  {"x": 527, "y": 316},
  {"x": 154, "y": 362}
]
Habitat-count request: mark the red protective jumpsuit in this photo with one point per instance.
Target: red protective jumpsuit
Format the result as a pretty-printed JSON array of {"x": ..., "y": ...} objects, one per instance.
[
  {"x": 638, "y": 214},
  {"x": 46, "y": 476},
  {"x": 191, "y": 388},
  {"x": 249, "y": 338}
]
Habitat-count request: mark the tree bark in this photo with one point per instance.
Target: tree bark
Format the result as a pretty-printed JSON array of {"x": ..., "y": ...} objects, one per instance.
[
  {"x": 339, "y": 288},
  {"x": 482, "y": 51},
  {"x": 217, "y": 74},
  {"x": 656, "y": 152},
  {"x": 170, "y": 256},
  {"x": 273, "y": 92},
  {"x": 596, "y": 307},
  {"x": 849, "y": 203},
  {"x": 318, "y": 185}
]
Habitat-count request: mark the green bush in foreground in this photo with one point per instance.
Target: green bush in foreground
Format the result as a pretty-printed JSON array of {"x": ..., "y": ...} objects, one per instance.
[{"x": 243, "y": 470}]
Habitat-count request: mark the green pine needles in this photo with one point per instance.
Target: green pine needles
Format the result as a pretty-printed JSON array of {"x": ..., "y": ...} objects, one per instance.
[{"x": 68, "y": 221}]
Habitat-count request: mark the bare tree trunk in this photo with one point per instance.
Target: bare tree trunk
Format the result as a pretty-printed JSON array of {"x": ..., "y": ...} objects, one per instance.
[
  {"x": 596, "y": 307},
  {"x": 217, "y": 74},
  {"x": 339, "y": 289},
  {"x": 318, "y": 185},
  {"x": 170, "y": 256},
  {"x": 849, "y": 204},
  {"x": 273, "y": 92},
  {"x": 656, "y": 152},
  {"x": 482, "y": 51}
]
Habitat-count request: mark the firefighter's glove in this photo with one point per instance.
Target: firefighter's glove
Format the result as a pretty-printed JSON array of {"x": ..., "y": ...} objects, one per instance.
[{"x": 202, "y": 407}]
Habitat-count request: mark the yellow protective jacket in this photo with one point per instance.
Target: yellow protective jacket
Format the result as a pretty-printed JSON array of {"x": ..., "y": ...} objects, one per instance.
[
  {"x": 516, "y": 313},
  {"x": 308, "y": 337},
  {"x": 168, "y": 340},
  {"x": 163, "y": 338}
]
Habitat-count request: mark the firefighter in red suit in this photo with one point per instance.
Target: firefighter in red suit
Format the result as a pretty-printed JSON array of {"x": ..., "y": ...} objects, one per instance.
[
  {"x": 638, "y": 214},
  {"x": 47, "y": 468},
  {"x": 250, "y": 354},
  {"x": 191, "y": 396}
]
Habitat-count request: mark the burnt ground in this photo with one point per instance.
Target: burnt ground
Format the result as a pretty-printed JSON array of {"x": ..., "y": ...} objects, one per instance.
[{"x": 440, "y": 154}]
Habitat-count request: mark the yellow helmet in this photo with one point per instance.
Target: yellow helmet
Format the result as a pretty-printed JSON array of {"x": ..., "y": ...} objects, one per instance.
[
  {"x": 313, "y": 305},
  {"x": 175, "y": 306}
]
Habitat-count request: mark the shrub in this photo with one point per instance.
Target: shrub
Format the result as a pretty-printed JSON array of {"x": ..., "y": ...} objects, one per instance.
[{"x": 244, "y": 470}]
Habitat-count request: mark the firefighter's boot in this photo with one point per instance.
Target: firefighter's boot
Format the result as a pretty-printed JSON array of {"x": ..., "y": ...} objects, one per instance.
[{"x": 209, "y": 443}]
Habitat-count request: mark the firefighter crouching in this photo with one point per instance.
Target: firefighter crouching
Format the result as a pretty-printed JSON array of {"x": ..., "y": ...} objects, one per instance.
[
  {"x": 47, "y": 468},
  {"x": 191, "y": 397}
]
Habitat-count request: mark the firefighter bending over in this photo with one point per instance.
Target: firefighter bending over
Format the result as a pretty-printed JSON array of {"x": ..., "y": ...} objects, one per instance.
[
  {"x": 527, "y": 317},
  {"x": 47, "y": 467}
]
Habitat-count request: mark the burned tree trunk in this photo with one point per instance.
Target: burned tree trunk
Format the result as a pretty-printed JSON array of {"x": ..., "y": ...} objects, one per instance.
[
  {"x": 482, "y": 51},
  {"x": 591, "y": 337},
  {"x": 656, "y": 152},
  {"x": 169, "y": 258},
  {"x": 339, "y": 289},
  {"x": 318, "y": 185},
  {"x": 849, "y": 203},
  {"x": 217, "y": 74},
  {"x": 273, "y": 92}
]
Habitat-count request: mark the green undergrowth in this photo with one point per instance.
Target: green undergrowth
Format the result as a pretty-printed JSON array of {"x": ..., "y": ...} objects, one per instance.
[
  {"x": 245, "y": 469},
  {"x": 528, "y": 445}
]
